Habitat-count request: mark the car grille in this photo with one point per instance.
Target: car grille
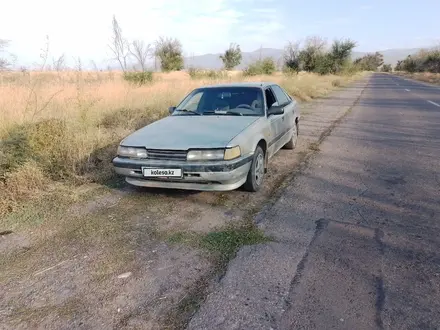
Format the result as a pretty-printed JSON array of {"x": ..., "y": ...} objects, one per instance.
[{"x": 177, "y": 155}]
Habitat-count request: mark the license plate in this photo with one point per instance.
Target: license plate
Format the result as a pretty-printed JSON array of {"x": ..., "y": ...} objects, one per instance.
[{"x": 162, "y": 172}]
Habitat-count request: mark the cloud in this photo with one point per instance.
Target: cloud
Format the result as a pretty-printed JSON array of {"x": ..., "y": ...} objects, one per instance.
[{"x": 83, "y": 27}]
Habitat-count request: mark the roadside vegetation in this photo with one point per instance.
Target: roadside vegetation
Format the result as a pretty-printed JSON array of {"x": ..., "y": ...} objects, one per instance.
[{"x": 423, "y": 66}]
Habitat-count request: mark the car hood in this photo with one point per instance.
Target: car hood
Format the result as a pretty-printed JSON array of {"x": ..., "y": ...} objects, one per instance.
[{"x": 185, "y": 132}]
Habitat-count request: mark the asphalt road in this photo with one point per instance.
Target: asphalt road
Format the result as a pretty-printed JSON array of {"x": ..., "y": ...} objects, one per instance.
[{"x": 357, "y": 234}]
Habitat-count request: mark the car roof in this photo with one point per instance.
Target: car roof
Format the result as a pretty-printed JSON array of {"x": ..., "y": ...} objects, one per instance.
[{"x": 259, "y": 84}]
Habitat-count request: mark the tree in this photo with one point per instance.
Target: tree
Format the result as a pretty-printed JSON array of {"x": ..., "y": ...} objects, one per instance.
[
  {"x": 169, "y": 52},
  {"x": 313, "y": 48},
  {"x": 141, "y": 53},
  {"x": 119, "y": 46},
  {"x": 409, "y": 64},
  {"x": 432, "y": 62},
  {"x": 291, "y": 57},
  {"x": 232, "y": 57},
  {"x": 340, "y": 53},
  {"x": 369, "y": 62}
]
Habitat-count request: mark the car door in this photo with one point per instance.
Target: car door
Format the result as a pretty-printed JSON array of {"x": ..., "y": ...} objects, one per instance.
[
  {"x": 275, "y": 123},
  {"x": 288, "y": 120}
]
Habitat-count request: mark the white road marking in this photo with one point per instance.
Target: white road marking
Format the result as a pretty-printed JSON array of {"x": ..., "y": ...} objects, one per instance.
[
  {"x": 407, "y": 90},
  {"x": 436, "y": 104}
]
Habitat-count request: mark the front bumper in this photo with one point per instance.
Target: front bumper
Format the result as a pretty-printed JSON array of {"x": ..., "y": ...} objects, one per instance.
[{"x": 205, "y": 176}]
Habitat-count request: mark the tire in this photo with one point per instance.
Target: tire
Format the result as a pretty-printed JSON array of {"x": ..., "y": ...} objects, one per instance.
[
  {"x": 294, "y": 139},
  {"x": 255, "y": 177}
]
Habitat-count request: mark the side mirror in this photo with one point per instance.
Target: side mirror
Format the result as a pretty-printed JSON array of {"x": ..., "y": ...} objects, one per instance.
[
  {"x": 275, "y": 110},
  {"x": 171, "y": 109}
]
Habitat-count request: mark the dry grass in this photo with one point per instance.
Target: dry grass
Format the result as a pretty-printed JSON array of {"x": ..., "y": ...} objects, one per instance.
[
  {"x": 67, "y": 125},
  {"x": 432, "y": 78}
]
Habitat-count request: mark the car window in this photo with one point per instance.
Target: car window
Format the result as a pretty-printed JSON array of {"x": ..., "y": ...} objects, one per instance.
[
  {"x": 194, "y": 101},
  {"x": 270, "y": 98},
  {"x": 287, "y": 94},
  {"x": 245, "y": 101},
  {"x": 280, "y": 95}
]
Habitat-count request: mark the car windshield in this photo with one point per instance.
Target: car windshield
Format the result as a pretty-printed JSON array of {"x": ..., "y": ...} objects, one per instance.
[{"x": 228, "y": 101}]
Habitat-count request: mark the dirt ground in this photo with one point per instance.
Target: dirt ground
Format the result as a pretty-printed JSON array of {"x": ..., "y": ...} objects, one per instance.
[{"x": 116, "y": 256}]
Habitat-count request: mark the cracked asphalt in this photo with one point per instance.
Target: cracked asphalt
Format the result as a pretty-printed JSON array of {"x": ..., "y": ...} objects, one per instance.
[{"x": 356, "y": 233}]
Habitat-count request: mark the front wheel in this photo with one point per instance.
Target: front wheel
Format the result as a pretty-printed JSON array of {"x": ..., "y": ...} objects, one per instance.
[{"x": 256, "y": 172}]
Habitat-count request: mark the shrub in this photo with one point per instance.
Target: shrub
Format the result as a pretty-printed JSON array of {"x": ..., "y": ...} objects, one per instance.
[
  {"x": 130, "y": 118},
  {"x": 45, "y": 142},
  {"x": 20, "y": 185},
  {"x": 386, "y": 68},
  {"x": 336, "y": 82},
  {"x": 424, "y": 61},
  {"x": 139, "y": 78},
  {"x": 265, "y": 66},
  {"x": 193, "y": 72},
  {"x": 210, "y": 74},
  {"x": 268, "y": 66},
  {"x": 14, "y": 150}
]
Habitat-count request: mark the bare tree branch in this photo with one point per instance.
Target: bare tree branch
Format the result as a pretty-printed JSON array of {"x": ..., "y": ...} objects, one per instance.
[
  {"x": 291, "y": 56},
  {"x": 59, "y": 63},
  {"x": 44, "y": 55},
  {"x": 141, "y": 53},
  {"x": 119, "y": 46}
]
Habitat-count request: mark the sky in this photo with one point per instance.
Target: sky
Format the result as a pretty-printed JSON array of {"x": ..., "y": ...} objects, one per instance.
[{"x": 82, "y": 28}]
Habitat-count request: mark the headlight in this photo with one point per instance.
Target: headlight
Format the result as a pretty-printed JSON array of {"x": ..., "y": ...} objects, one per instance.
[
  {"x": 232, "y": 153},
  {"x": 217, "y": 154},
  {"x": 205, "y": 154},
  {"x": 132, "y": 152}
]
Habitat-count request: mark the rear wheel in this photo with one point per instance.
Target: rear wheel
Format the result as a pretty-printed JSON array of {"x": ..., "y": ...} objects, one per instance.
[
  {"x": 292, "y": 142},
  {"x": 255, "y": 176}
]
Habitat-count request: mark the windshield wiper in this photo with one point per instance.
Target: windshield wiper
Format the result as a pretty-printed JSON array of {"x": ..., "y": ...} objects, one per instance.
[
  {"x": 189, "y": 111},
  {"x": 224, "y": 113}
]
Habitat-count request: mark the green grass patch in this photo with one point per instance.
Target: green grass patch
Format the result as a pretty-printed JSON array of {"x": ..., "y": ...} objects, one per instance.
[{"x": 222, "y": 245}]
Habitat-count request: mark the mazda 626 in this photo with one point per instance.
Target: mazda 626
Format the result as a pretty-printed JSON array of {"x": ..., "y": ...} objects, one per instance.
[{"x": 218, "y": 138}]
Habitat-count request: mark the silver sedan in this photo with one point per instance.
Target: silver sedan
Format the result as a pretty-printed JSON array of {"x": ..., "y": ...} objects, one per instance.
[{"x": 218, "y": 138}]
